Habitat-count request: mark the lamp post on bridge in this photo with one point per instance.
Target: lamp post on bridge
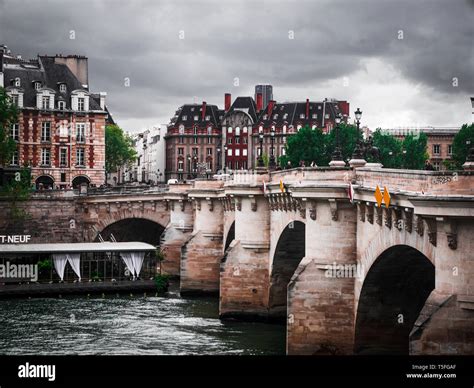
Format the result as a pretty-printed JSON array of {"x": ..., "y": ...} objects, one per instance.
[
  {"x": 336, "y": 157},
  {"x": 260, "y": 139},
  {"x": 359, "y": 151},
  {"x": 272, "y": 164}
]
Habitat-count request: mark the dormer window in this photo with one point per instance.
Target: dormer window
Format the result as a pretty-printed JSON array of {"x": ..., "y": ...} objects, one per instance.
[
  {"x": 61, "y": 105},
  {"x": 17, "y": 82},
  {"x": 62, "y": 88},
  {"x": 315, "y": 116},
  {"x": 181, "y": 129},
  {"x": 275, "y": 116},
  {"x": 285, "y": 116},
  {"x": 80, "y": 101},
  {"x": 196, "y": 118},
  {"x": 208, "y": 118},
  {"x": 37, "y": 85},
  {"x": 265, "y": 116},
  {"x": 185, "y": 117},
  {"x": 302, "y": 116}
]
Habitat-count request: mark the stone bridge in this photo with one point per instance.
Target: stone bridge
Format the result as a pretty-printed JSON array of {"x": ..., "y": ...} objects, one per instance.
[{"x": 346, "y": 275}]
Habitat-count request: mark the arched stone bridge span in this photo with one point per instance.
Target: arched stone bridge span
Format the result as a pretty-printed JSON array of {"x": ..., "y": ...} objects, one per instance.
[{"x": 346, "y": 275}]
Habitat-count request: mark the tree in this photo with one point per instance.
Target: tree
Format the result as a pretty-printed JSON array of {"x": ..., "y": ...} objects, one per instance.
[
  {"x": 462, "y": 142},
  {"x": 348, "y": 135},
  {"x": 414, "y": 151},
  {"x": 8, "y": 116},
  {"x": 118, "y": 148},
  {"x": 390, "y": 149},
  {"x": 307, "y": 145}
]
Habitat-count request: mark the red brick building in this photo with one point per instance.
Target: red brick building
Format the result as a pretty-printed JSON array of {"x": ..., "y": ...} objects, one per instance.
[
  {"x": 230, "y": 137},
  {"x": 61, "y": 125}
]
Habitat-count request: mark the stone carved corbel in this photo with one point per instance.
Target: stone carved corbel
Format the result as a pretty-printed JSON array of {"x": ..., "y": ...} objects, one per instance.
[
  {"x": 129, "y": 206},
  {"x": 431, "y": 223},
  {"x": 361, "y": 210},
  {"x": 167, "y": 204},
  {"x": 302, "y": 207},
  {"x": 397, "y": 218},
  {"x": 408, "y": 219},
  {"x": 153, "y": 205},
  {"x": 450, "y": 227},
  {"x": 370, "y": 212},
  {"x": 378, "y": 215},
  {"x": 419, "y": 226},
  {"x": 333, "y": 208},
  {"x": 107, "y": 207},
  {"x": 118, "y": 205},
  {"x": 253, "y": 203},
  {"x": 141, "y": 205},
  {"x": 312, "y": 211},
  {"x": 388, "y": 217},
  {"x": 210, "y": 204},
  {"x": 172, "y": 205},
  {"x": 182, "y": 204}
]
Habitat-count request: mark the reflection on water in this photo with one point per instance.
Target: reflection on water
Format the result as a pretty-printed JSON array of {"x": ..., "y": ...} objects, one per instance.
[{"x": 130, "y": 325}]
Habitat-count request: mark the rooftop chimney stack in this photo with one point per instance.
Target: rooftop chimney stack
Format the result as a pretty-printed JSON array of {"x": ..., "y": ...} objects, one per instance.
[
  {"x": 259, "y": 102},
  {"x": 102, "y": 100},
  {"x": 472, "y": 103},
  {"x": 307, "y": 108},
  {"x": 271, "y": 103},
  {"x": 227, "y": 101},
  {"x": 203, "y": 115}
]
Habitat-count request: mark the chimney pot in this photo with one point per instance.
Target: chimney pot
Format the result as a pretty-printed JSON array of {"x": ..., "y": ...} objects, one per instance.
[
  {"x": 227, "y": 100},
  {"x": 259, "y": 102}
]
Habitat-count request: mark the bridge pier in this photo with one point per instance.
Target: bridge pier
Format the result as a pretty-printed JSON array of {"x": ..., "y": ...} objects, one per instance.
[
  {"x": 321, "y": 302},
  {"x": 177, "y": 232},
  {"x": 202, "y": 252},
  {"x": 244, "y": 277}
]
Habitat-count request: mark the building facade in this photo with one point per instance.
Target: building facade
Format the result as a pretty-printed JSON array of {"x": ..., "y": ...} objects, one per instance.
[
  {"x": 439, "y": 143},
  {"x": 229, "y": 139},
  {"x": 60, "y": 133}
]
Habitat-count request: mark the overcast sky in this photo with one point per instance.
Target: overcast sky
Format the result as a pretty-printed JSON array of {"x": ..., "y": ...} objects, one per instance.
[{"x": 404, "y": 63}]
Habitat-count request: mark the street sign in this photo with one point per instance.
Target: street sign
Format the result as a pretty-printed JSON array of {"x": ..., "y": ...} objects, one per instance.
[{"x": 385, "y": 196}]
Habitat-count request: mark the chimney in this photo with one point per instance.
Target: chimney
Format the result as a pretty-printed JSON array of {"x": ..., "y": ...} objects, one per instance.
[
  {"x": 203, "y": 116},
  {"x": 307, "y": 108},
  {"x": 271, "y": 103},
  {"x": 78, "y": 66},
  {"x": 472, "y": 103},
  {"x": 259, "y": 102},
  {"x": 227, "y": 99},
  {"x": 102, "y": 100}
]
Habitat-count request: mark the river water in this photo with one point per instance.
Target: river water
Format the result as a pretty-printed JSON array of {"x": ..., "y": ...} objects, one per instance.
[{"x": 133, "y": 325}]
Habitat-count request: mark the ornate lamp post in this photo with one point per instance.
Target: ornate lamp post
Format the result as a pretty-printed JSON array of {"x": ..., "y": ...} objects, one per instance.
[
  {"x": 189, "y": 166},
  {"x": 260, "y": 157},
  {"x": 272, "y": 163},
  {"x": 337, "y": 154},
  {"x": 218, "y": 158},
  {"x": 358, "y": 154},
  {"x": 225, "y": 158}
]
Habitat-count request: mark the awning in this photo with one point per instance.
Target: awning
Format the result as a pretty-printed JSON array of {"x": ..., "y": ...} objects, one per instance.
[{"x": 7, "y": 249}]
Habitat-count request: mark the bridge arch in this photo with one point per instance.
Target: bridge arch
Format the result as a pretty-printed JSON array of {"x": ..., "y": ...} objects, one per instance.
[
  {"x": 133, "y": 229},
  {"x": 289, "y": 251},
  {"x": 393, "y": 292}
]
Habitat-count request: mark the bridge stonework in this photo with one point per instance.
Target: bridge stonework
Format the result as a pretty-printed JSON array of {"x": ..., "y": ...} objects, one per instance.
[{"x": 347, "y": 276}]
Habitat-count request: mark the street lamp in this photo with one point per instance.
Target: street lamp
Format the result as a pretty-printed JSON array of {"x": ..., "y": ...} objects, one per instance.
[
  {"x": 272, "y": 163},
  {"x": 337, "y": 154},
  {"x": 225, "y": 158},
  {"x": 189, "y": 166},
  {"x": 260, "y": 139},
  {"x": 218, "y": 158},
  {"x": 357, "y": 154}
]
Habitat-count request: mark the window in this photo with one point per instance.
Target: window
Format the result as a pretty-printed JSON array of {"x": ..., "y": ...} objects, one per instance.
[
  {"x": 229, "y": 140},
  {"x": 237, "y": 131},
  {"x": 15, "y": 99},
  {"x": 436, "y": 166},
  {"x": 314, "y": 116},
  {"x": 284, "y": 129},
  {"x": 237, "y": 140},
  {"x": 180, "y": 151},
  {"x": 275, "y": 116},
  {"x": 285, "y": 116},
  {"x": 15, "y": 160},
  {"x": 80, "y": 157},
  {"x": 63, "y": 177},
  {"x": 45, "y": 157},
  {"x": 81, "y": 132},
  {"x": 209, "y": 151},
  {"x": 244, "y": 152},
  {"x": 298, "y": 127},
  {"x": 196, "y": 118},
  {"x": 326, "y": 116},
  {"x": 46, "y": 131},
  {"x": 245, "y": 129},
  {"x": 37, "y": 85},
  {"x": 260, "y": 129},
  {"x": 61, "y": 105},
  {"x": 195, "y": 140},
  {"x": 208, "y": 118},
  {"x": 181, "y": 129},
  {"x": 229, "y": 130},
  {"x": 62, "y": 88},
  {"x": 63, "y": 157},
  {"x": 185, "y": 117},
  {"x": 209, "y": 140},
  {"x": 283, "y": 151},
  {"x": 181, "y": 140},
  {"x": 237, "y": 152},
  {"x": 80, "y": 104},
  {"x": 302, "y": 116},
  {"x": 258, "y": 152},
  {"x": 195, "y": 151},
  {"x": 436, "y": 149},
  {"x": 180, "y": 165},
  {"x": 244, "y": 140},
  {"x": 450, "y": 149},
  {"x": 229, "y": 152},
  {"x": 236, "y": 165},
  {"x": 17, "y": 82},
  {"x": 209, "y": 131},
  {"x": 195, "y": 131},
  {"x": 45, "y": 102},
  {"x": 14, "y": 131}
]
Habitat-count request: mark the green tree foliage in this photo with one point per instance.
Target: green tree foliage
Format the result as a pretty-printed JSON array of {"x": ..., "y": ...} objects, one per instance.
[
  {"x": 390, "y": 149},
  {"x": 463, "y": 140},
  {"x": 118, "y": 148},
  {"x": 414, "y": 152},
  {"x": 8, "y": 116},
  {"x": 348, "y": 135},
  {"x": 18, "y": 189},
  {"x": 307, "y": 145}
]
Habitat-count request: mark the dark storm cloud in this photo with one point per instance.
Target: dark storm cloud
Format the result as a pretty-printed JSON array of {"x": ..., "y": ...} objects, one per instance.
[{"x": 248, "y": 40}]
